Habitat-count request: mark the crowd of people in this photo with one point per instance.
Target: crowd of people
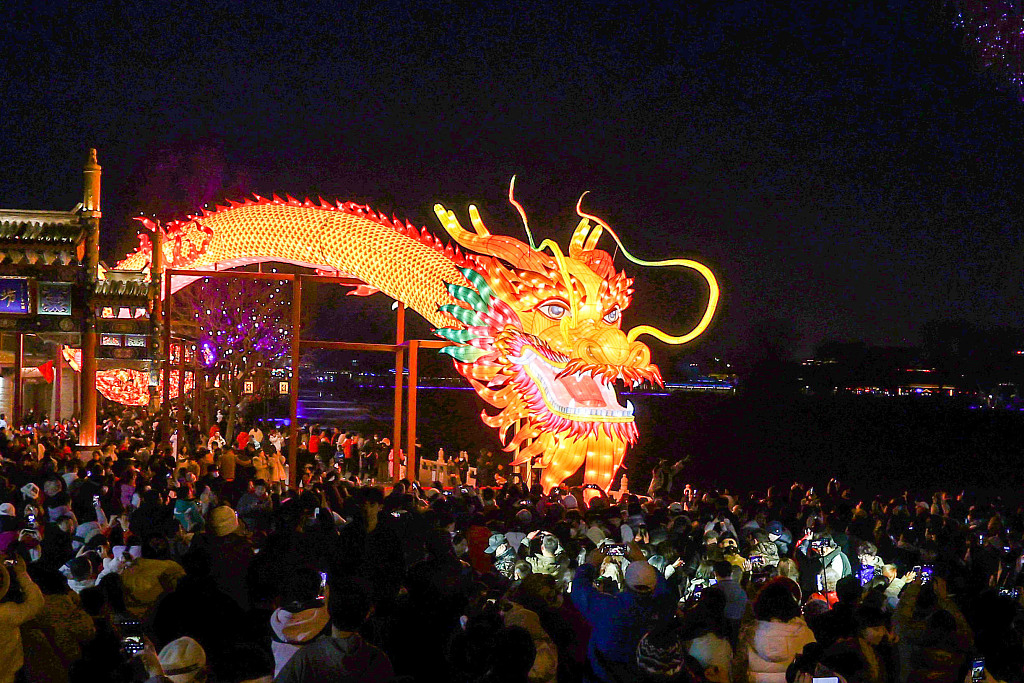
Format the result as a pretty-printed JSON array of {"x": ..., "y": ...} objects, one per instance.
[{"x": 198, "y": 562}]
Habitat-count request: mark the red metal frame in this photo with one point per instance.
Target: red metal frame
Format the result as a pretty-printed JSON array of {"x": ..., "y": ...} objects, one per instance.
[{"x": 399, "y": 348}]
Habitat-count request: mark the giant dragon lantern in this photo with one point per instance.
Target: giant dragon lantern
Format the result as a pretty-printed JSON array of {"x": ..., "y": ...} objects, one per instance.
[{"x": 537, "y": 331}]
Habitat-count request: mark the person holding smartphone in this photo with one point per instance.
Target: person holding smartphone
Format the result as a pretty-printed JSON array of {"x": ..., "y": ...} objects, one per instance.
[
  {"x": 619, "y": 621},
  {"x": 20, "y": 601}
]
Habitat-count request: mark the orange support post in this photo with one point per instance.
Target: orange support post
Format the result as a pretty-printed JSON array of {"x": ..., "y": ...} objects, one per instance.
[
  {"x": 165, "y": 398},
  {"x": 396, "y": 437},
  {"x": 410, "y": 462},
  {"x": 181, "y": 393},
  {"x": 293, "y": 387}
]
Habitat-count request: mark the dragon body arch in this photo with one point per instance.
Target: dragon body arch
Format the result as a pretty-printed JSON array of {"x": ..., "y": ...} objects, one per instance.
[{"x": 537, "y": 336}]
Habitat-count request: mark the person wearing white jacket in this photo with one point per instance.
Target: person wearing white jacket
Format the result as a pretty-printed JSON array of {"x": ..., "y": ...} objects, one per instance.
[{"x": 768, "y": 645}]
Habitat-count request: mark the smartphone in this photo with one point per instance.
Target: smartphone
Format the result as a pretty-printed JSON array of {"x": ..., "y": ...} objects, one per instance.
[
  {"x": 866, "y": 574},
  {"x": 819, "y": 545},
  {"x": 978, "y": 669},
  {"x": 31, "y": 517},
  {"x": 756, "y": 561},
  {"x": 132, "y": 641},
  {"x": 95, "y": 500},
  {"x": 592, "y": 486},
  {"x": 316, "y": 512},
  {"x": 396, "y": 514},
  {"x": 696, "y": 592},
  {"x": 1010, "y": 592},
  {"x": 925, "y": 572},
  {"x": 614, "y": 550},
  {"x": 323, "y": 586},
  {"x": 826, "y": 679}
]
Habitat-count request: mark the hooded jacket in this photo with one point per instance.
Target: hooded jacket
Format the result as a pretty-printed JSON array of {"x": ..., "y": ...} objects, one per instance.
[
  {"x": 771, "y": 646},
  {"x": 292, "y": 630}
]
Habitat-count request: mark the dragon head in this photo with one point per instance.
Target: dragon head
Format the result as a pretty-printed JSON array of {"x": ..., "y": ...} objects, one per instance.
[{"x": 541, "y": 340}]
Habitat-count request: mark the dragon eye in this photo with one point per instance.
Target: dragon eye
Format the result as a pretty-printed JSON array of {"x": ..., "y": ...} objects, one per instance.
[
  {"x": 554, "y": 309},
  {"x": 612, "y": 316}
]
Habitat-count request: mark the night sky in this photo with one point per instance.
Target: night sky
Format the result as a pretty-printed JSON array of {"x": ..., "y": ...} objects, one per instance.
[{"x": 842, "y": 166}]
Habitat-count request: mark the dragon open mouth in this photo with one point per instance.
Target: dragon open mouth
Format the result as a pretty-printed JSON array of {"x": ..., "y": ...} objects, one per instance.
[{"x": 579, "y": 396}]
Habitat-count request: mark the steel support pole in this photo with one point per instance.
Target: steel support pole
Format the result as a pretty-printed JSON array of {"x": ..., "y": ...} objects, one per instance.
[
  {"x": 410, "y": 462},
  {"x": 396, "y": 437},
  {"x": 293, "y": 386}
]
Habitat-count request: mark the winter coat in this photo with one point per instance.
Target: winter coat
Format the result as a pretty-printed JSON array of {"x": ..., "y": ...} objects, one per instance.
[
  {"x": 767, "y": 648},
  {"x": 545, "y": 664},
  {"x": 12, "y": 616},
  {"x": 145, "y": 580},
  {"x": 337, "y": 659},
  {"x": 553, "y": 565},
  {"x": 618, "y": 622},
  {"x": 292, "y": 630}
]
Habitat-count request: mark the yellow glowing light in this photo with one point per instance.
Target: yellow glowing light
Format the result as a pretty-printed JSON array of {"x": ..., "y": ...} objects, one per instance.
[{"x": 414, "y": 268}]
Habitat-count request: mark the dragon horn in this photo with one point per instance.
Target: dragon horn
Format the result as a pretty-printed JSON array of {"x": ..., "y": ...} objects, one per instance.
[
  {"x": 509, "y": 249},
  {"x": 579, "y": 236}
]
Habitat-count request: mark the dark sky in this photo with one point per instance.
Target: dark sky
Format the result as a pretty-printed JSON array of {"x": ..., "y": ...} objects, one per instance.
[{"x": 839, "y": 164}]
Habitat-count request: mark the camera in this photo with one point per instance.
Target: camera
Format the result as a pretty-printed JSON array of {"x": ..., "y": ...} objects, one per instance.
[
  {"x": 323, "y": 586},
  {"x": 820, "y": 545},
  {"x": 615, "y": 550},
  {"x": 756, "y": 561},
  {"x": 1010, "y": 592},
  {"x": 925, "y": 572}
]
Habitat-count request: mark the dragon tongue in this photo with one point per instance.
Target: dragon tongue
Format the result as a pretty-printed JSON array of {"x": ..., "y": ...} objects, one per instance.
[{"x": 584, "y": 390}]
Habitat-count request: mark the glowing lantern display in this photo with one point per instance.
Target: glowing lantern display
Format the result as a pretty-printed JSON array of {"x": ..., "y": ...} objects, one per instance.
[{"x": 538, "y": 335}]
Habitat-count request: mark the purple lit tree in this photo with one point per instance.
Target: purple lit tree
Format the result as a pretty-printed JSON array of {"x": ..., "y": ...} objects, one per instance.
[
  {"x": 994, "y": 32},
  {"x": 242, "y": 331}
]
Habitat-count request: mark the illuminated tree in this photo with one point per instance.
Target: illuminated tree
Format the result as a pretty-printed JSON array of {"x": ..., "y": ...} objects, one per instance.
[
  {"x": 242, "y": 331},
  {"x": 994, "y": 32}
]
